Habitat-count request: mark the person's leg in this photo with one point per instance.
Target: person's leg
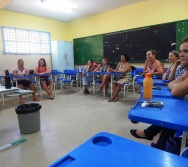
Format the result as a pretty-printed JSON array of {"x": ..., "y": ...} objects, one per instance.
[
  {"x": 44, "y": 85},
  {"x": 20, "y": 96},
  {"x": 148, "y": 133},
  {"x": 107, "y": 84},
  {"x": 153, "y": 130},
  {"x": 32, "y": 87},
  {"x": 51, "y": 87},
  {"x": 104, "y": 80},
  {"x": 164, "y": 136},
  {"x": 85, "y": 83},
  {"x": 116, "y": 91},
  {"x": 118, "y": 88},
  {"x": 114, "y": 85}
]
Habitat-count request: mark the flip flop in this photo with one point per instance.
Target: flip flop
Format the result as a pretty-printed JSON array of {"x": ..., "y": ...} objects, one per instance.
[
  {"x": 21, "y": 102},
  {"x": 50, "y": 97},
  {"x": 110, "y": 100},
  {"x": 116, "y": 99},
  {"x": 35, "y": 99}
]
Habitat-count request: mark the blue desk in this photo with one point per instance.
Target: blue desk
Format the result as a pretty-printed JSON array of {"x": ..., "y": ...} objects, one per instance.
[
  {"x": 164, "y": 92},
  {"x": 174, "y": 114},
  {"x": 4, "y": 91},
  {"x": 108, "y": 150},
  {"x": 156, "y": 82},
  {"x": 112, "y": 74}
]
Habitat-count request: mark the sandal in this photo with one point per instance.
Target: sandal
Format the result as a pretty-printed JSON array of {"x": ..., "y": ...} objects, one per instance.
[
  {"x": 50, "y": 97},
  {"x": 110, "y": 100},
  {"x": 36, "y": 99},
  {"x": 21, "y": 102},
  {"x": 116, "y": 99}
]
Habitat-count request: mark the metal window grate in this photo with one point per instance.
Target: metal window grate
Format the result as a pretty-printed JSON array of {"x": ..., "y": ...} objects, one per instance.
[{"x": 28, "y": 42}]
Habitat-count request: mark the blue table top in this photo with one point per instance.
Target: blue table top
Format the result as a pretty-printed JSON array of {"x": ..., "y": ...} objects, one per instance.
[
  {"x": 56, "y": 72},
  {"x": 100, "y": 72},
  {"x": 109, "y": 150},
  {"x": 24, "y": 76},
  {"x": 174, "y": 113},
  {"x": 155, "y": 81},
  {"x": 164, "y": 92}
]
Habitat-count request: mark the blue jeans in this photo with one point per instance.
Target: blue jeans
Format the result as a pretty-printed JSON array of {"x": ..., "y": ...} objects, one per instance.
[{"x": 86, "y": 79}]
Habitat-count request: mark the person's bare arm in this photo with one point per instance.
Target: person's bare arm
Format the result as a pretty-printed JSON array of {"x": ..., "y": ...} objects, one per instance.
[
  {"x": 171, "y": 85},
  {"x": 177, "y": 81},
  {"x": 47, "y": 70},
  {"x": 145, "y": 67},
  {"x": 173, "y": 70},
  {"x": 83, "y": 71},
  {"x": 15, "y": 73},
  {"x": 108, "y": 69},
  {"x": 115, "y": 70},
  {"x": 180, "y": 89},
  {"x": 164, "y": 76},
  {"x": 97, "y": 69},
  {"x": 26, "y": 72},
  {"x": 181, "y": 78},
  {"x": 36, "y": 70},
  {"x": 91, "y": 68}
]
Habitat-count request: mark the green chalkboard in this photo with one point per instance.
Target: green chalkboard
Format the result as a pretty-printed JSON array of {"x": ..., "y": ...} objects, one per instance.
[
  {"x": 88, "y": 48},
  {"x": 181, "y": 31},
  {"x": 163, "y": 38}
]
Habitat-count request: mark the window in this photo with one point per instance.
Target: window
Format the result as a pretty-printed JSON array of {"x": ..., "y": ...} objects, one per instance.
[{"x": 25, "y": 42}]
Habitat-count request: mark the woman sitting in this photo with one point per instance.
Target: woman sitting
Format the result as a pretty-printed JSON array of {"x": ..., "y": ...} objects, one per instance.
[
  {"x": 21, "y": 70},
  {"x": 152, "y": 65},
  {"x": 105, "y": 78},
  {"x": 85, "y": 77},
  {"x": 125, "y": 68},
  {"x": 44, "y": 70},
  {"x": 173, "y": 58},
  {"x": 178, "y": 87}
]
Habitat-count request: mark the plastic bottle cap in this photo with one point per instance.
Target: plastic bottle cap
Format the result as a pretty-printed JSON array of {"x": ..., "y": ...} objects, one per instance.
[{"x": 148, "y": 75}]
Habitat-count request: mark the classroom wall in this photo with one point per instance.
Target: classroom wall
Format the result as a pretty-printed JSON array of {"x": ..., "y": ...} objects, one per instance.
[
  {"x": 142, "y": 14},
  {"x": 149, "y": 12},
  {"x": 57, "y": 29}
]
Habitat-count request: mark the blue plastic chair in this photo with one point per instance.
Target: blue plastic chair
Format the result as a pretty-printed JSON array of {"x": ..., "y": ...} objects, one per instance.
[
  {"x": 69, "y": 78},
  {"x": 138, "y": 71},
  {"x": 184, "y": 153}
]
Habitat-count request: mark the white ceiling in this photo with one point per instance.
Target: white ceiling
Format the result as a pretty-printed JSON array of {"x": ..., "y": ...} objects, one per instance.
[{"x": 84, "y": 8}]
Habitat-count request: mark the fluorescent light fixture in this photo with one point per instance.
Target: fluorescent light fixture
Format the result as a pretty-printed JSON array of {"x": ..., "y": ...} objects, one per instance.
[{"x": 59, "y": 5}]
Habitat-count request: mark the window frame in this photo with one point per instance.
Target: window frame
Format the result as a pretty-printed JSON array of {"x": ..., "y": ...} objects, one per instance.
[{"x": 19, "y": 41}]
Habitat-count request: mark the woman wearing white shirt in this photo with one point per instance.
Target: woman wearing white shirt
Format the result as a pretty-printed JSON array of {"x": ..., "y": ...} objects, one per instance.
[{"x": 22, "y": 70}]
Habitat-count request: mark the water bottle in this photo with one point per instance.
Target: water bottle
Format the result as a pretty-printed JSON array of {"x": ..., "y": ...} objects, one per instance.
[
  {"x": 148, "y": 85},
  {"x": 8, "y": 84},
  {"x": 152, "y": 104}
]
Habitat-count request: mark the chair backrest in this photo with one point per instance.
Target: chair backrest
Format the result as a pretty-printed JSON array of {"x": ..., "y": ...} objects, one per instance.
[
  {"x": 139, "y": 71},
  {"x": 184, "y": 152}
]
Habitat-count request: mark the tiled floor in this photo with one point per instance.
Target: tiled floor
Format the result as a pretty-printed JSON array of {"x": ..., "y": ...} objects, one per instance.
[{"x": 66, "y": 122}]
